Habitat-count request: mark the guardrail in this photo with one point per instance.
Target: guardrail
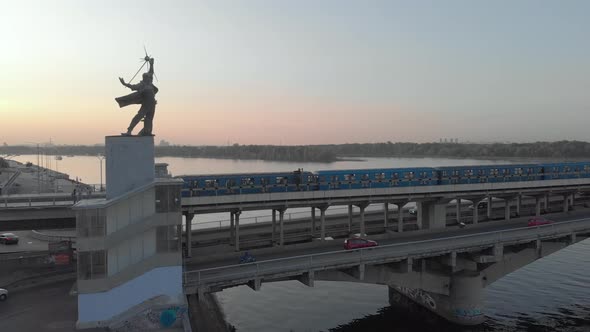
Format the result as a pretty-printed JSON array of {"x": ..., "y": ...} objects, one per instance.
[
  {"x": 237, "y": 273},
  {"x": 43, "y": 200},
  {"x": 218, "y": 224}
]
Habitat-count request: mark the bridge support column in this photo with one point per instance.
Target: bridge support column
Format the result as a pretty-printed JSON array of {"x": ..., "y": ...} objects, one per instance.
[
  {"x": 281, "y": 227},
  {"x": 349, "y": 218},
  {"x": 463, "y": 304},
  {"x": 475, "y": 212},
  {"x": 189, "y": 219},
  {"x": 312, "y": 222},
  {"x": 507, "y": 208},
  {"x": 565, "y": 203},
  {"x": 362, "y": 207},
  {"x": 274, "y": 226},
  {"x": 489, "y": 212},
  {"x": 432, "y": 215},
  {"x": 232, "y": 228},
  {"x": 323, "y": 222},
  {"x": 546, "y": 203},
  {"x": 518, "y": 204},
  {"x": 400, "y": 217},
  {"x": 458, "y": 210},
  {"x": 537, "y": 206},
  {"x": 237, "y": 230},
  {"x": 385, "y": 214}
]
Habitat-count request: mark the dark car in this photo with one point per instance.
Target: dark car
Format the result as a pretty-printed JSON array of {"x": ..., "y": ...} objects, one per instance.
[
  {"x": 8, "y": 238},
  {"x": 538, "y": 221},
  {"x": 357, "y": 242}
]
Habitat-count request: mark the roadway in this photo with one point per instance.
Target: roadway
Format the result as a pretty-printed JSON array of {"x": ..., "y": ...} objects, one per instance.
[
  {"x": 197, "y": 263},
  {"x": 25, "y": 243},
  {"x": 44, "y": 308}
]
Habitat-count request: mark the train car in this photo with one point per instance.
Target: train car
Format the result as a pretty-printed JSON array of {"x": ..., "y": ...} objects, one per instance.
[
  {"x": 247, "y": 183},
  {"x": 375, "y": 178},
  {"x": 553, "y": 171},
  {"x": 489, "y": 173}
]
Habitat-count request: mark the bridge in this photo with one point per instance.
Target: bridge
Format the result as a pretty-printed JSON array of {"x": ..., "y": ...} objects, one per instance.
[
  {"x": 427, "y": 258},
  {"x": 39, "y": 211}
]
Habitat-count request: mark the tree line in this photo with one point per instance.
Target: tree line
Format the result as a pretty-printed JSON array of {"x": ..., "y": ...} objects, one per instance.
[{"x": 332, "y": 152}]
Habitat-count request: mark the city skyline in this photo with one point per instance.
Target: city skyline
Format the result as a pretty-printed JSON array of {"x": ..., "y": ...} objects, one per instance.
[{"x": 297, "y": 73}]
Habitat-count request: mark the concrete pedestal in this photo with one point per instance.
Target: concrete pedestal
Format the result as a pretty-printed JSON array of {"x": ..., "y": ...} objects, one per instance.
[{"x": 129, "y": 163}]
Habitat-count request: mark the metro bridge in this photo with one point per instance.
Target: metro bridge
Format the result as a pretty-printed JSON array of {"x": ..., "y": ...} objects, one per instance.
[{"x": 435, "y": 263}]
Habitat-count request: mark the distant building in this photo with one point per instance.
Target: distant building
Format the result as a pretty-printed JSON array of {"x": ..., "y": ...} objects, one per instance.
[{"x": 164, "y": 143}]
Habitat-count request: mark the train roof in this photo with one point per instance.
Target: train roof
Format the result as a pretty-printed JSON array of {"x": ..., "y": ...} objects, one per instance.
[
  {"x": 239, "y": 174},
  {"x": 371, "y": 170}
]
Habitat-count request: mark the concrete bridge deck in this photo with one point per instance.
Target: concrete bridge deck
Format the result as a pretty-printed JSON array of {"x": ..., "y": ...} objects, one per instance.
[{"x": 215, "y": 272}]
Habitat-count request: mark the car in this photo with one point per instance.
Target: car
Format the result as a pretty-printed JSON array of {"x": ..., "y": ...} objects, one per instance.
[
  {"x": 358, "y": 242},
  {"x": 413, "y": 211},
  {"x": 480, "y": 206},
  {"x": 3, "y": 294},
  {"x": 8, "y": 238},
  {"x": 538, "y": 221}
]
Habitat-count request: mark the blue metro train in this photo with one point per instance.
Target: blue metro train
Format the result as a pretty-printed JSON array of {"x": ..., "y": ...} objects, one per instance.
[{"x": 255, "y": 183}]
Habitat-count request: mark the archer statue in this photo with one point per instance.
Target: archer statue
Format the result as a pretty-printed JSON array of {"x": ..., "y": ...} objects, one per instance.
[{"x": 144, "y": 94}]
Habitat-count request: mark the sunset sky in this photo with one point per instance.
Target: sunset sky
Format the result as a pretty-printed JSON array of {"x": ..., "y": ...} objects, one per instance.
[{"x": 298, "y": 72}]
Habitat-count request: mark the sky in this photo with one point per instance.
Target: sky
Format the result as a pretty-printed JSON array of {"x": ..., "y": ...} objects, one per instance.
[{"x": 298, "y": 72}]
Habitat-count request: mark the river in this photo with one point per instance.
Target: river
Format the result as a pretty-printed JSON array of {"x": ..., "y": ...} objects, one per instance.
[{"x": 551, "y": 294}]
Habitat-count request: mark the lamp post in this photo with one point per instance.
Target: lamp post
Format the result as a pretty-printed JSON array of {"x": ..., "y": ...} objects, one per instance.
[
  {"x": 38, "y": 168},
  {"x": 100, "y": 158}
]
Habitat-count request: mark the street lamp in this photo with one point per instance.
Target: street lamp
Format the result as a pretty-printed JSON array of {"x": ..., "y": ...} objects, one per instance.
[
  {"x": 100, "y": 158},
  {"x": 38, "y": 168}
]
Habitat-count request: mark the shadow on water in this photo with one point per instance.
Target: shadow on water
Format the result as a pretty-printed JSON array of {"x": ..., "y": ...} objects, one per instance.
[{"x": 412, "y": 317}]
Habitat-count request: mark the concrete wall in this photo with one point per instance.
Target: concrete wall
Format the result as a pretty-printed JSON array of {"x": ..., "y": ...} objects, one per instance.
[
  {"x": 97, "y": 309},
  {"x": 130, "y": 211},
  {"x": 132, "y": 251},
  {"x": 129, "y": 163}
]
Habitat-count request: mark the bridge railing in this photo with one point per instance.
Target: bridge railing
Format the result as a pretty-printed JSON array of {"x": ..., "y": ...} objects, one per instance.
[
  {"x": 218, "y": 224},
  {"x": 391, "y": 252},
  {"x": 43, "y": 200}
]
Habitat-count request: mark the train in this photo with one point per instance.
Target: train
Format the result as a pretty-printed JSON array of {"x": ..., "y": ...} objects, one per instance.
[{"x": 299, "y": 180}]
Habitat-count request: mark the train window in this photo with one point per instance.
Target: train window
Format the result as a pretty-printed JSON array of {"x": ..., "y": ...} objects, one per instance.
[
  {"x": 586, "y": 168},
  {"x": 281, "y": 180},
  {"x": 444, "y": 173},
  {"x": 379, "y": 176},
  {"x": 395, "y": 176},
  {"x": 210, "y": 183},
  {"x": 230, "y": 183},
  {"x": 195, "y": 183},
  {"x": 247, "y": 181},
  {"x": 365, "y": 177},
  {"x": 263, "y": 181},
  {"x": 348, "y": 177},
  {"x": 409, "y": 175},
  {"x": 566, "y": 169}
]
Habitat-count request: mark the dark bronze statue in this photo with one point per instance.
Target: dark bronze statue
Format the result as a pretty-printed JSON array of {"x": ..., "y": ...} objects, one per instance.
[{"x": 144, "y": 94}]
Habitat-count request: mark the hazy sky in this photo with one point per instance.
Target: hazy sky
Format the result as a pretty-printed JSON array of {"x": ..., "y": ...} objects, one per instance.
[{"x": 298, "y": 72}]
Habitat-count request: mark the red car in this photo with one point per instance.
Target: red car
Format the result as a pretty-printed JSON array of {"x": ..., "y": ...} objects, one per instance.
[
  {"x": 357, "y": 242},
  {"x": 8, "y": 238},
  {"x": 538, "y": 221}
]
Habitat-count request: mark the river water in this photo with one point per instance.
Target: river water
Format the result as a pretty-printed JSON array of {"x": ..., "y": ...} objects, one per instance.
[{"x": 551, "y": 294}]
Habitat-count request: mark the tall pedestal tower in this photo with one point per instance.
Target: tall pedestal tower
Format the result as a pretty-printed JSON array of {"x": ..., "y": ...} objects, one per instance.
[{"x": 129, "y": 258}]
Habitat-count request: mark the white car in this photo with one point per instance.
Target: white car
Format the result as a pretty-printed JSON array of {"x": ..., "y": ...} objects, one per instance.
[{"x": 3, "y": 294}]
